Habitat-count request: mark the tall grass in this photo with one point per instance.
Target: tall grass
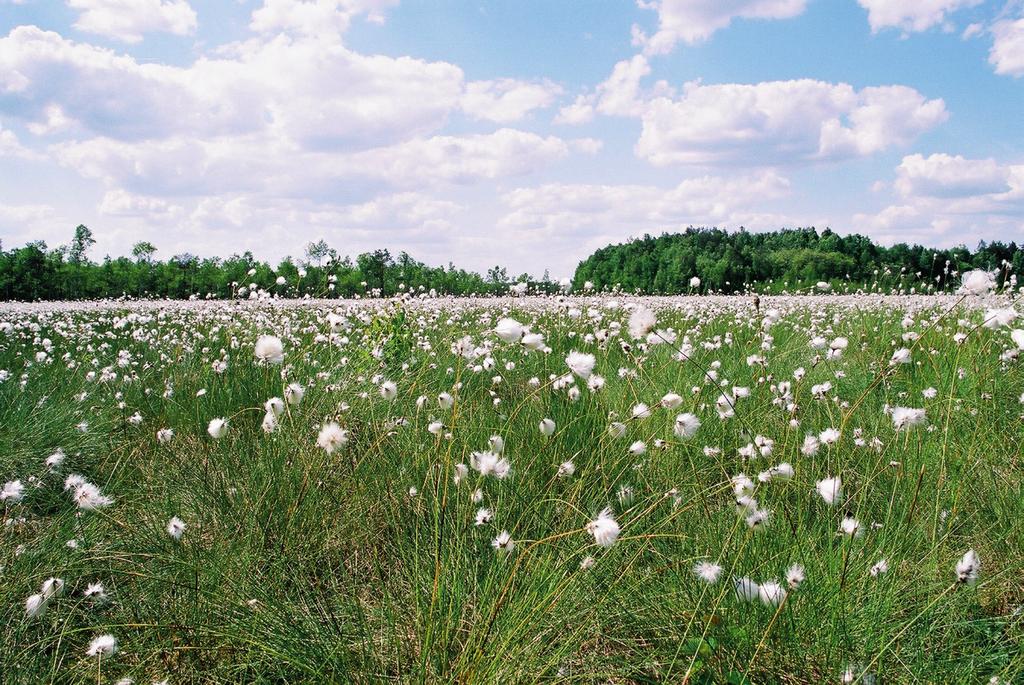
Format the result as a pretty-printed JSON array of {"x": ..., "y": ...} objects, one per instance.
[{"x": 302, "y": 566}]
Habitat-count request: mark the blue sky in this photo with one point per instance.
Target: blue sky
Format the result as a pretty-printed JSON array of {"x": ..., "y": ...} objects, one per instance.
[{"x": 518, "y": 133}]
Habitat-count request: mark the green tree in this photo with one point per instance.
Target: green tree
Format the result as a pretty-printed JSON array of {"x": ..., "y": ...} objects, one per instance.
[
  {"x": 374, "y": 267},
  {"x": 143, "y": 251},
  {"x": 80, "y": 244},
  {"x": 318, "y": 251}
]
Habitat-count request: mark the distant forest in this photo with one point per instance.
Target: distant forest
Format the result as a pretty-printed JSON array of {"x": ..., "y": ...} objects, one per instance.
[
  {"x": 786, "y": 260},
  {"x": 36, "y": 272}
]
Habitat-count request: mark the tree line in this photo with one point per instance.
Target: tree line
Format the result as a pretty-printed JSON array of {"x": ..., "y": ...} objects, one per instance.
[
  {"x": 786, "y": 260},
  {"x": 37, "y": 272}
]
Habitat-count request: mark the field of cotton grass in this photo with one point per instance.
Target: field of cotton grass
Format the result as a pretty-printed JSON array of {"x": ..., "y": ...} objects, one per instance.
[{"x": 597, "y": 489}]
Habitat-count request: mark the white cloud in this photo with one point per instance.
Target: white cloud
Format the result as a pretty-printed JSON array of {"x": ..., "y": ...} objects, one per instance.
[
  {"x": 22, "y": 214},
  {"x": 507, "y": 100},
  {"x": 911, "y": 15},
  {"x": 173, "y": 166},
  {"x": 129, "y": 20},
  {"x": 10, "y": 146},
  {"x": 40, "y": 70},
  {"x": 191, "y": 167},
  {"x": 233, "y": 223},
  {"x": 315, "y": 17},
  {"x": 581, "y": 111},
  {"x": 782, "y": 122},
  {"x": 972, "y": 30},
  {"x": 621, "y": 94},
  {"x": 942, "y": 198},
  {"x": 54, "y": 120},
  {"x": 902, "y": 223},
  {"x": 22, "y": 223},
  {"x": 399, "y": 212},
  {"x": 313, "y": 93},
  {"x": 692, "y": 21},
  {"x": 560, "y": 210},
  {"x": 941, "y": 175},
  {"x": 119, "y": 202},
  {"x": 587, "y": 146},
  {"x": 407, "y": 211},
  {"x": 461, "y": 159},
  {"x": 304, "y": 100},
  {"x": 927, "y": 225},
  {"x": 974, "y": 190},
  {"x": 761, "y": 124},
  {"x": 1007, "y": 53},
  {"x": 330, "y": 97}
]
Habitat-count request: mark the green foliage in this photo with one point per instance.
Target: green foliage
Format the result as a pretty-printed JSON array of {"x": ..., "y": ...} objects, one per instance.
[
  {"x": 389, "y": 339},
  {"x": 143, "y": 250},
  {"x": 34, "y": 272},
  {"x": 80, "y": 244},
  {"x": 790, "y": 259}
]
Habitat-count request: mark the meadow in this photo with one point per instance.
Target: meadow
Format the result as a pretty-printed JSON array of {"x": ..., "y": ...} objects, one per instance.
[{"x": 592, "y": 489}]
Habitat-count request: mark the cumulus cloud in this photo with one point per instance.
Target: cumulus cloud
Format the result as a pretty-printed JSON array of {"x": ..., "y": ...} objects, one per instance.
[
  {"x": 21, "y": 223},
  {"x": 1007, "y": 53},
  {"x": 129, "y": 20},
  {"x": 779, "y": 122},
  {"x": 10, "y": 146},
  {"x": 188, "y": 166},
  {"x": 461, "y": 159},
  {"x": 581, "y": 111},
  {"x": 119, "y": 202},
  {"x": 766, "y": 123},
  {"x": 972, "y": 30},
  {"x": 568, "y": 209},
  {"x": 315, "y": 94},
  {"x": 54, "y": 120},
  {"x": 507, "y": 100},
  {"x": 954, "y": 185},
  {"x": 20, "y": 214},
  {"x": 40, "y": 71},
  {"x": 927, "y": 225},
  {"x": 941, "y": 197},
  {"x": 264, "y": 109},
  {"x": 911, "y": 15},
  {"x": 398, "y": 213},
  {"x": 232, "y": 223},
  {"x": 315, "y": 17},
  {"x": 903, "y": 223},
  {"x": 692, "y": 21},
  {"x": 941, "y": 175},
  {"x": 332, "y": 97},
  {"x": 618, "y": 95}
]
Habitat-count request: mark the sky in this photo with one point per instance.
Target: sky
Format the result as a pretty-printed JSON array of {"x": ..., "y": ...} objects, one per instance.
[{"x": 518, "y": 133}]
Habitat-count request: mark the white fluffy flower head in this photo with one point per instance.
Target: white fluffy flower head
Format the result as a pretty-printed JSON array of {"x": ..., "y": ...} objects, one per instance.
[
  {"x": 269, "y": 349},
  {"x": 604, "y": 528}
]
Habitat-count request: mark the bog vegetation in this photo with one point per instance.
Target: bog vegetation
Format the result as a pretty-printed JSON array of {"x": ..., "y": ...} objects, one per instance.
[
  {"x": 561, "y": 489},
  {"x": 775, "y": 262}
]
